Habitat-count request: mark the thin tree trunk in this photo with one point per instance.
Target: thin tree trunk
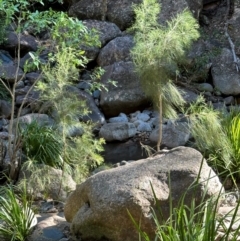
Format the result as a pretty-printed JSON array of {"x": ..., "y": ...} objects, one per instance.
[{"x": 160, "y": 124}]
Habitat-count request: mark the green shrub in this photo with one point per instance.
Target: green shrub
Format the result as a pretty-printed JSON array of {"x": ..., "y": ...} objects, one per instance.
[
  {"x": 15, "y": 214},
  {"x": 158, "y": 50},
  {"x": 42, "y": 144},
  {"x": 217, "y": 136},
  {"x": 209, "y": 135},
  {"x": 81, "y": 152}
]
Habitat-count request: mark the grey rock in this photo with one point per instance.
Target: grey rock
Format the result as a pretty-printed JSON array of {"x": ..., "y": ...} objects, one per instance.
[
  {"x": 117, "y": 131},
  {"x": 27, "y": 59},
  {"x": 104, "y": 198},
  {"x": 107, "y": 30},
  {"x": 127, "y": 96},
  {"x": 50, "y": 227},
  {"x": 121, "y": 118},
  {"x": 96, "y": 94},
  {"x": 95, "y": 114},
  {"x": 33, "y": 77},
  {"x": 143, "y": 126},
  {"x": 27, "y": 42},
  {"x": 224, "y": 74},
  {"x": 5, "y": 109},
  {"x": 174, "y": 134},
  {"x": 20, "y": 85},
  {"x": 148, "y": 112},
  {"x": 10, "y": 72},
  {"x": 88, "y": 9},
  {"x": 229, "y": 100},
  {"x": 189, "y": 96},
  {"x": 115, "y": 152},
  {"x": 116, "y": 50},
  {"x": 5, "y": 57},
  {"x": 57, "y": 186},
  {"x": 42, "y": 119},
  {"x": 143, "y": 117},
  {"x": 121, "y": 12},
  {"x": 84, "y": 85},
  {"x": 205, "y": 87}
]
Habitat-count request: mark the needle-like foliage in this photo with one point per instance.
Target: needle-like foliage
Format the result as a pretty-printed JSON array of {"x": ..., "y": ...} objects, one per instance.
[
  {"x": 157, "y": 50},
  {"x": 80, "y": 152}
]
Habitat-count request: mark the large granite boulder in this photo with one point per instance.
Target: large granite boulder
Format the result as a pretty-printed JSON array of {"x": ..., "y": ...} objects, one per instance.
[
  {"x": 99, "y": 207},
  {"x": 127, "y": 96}
]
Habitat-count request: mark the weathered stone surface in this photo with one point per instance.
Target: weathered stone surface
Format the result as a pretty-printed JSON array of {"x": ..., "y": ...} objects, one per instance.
[
  {"x": 107, "y": 30},
  {"x": 127, "y": 96},
  {"x": 188, "y": 95},
  {"x": 10, "y": 72},
  {"x": 117, "y": 131},
  {"x": 42, "y": 119},
  {"x": 121, "y": 12},
  {"x": 5, "y": 109},
  {"x": 121, "y": 118},
  {"x": 89, "y": 9},
  {"x": 95, "y": 114},
  {"x": 32, "y": 77},
  {"x": 57, "y": 186},
  {"x": 205, "y": 87},
  {"x": 116, "y": 50},
  {"x": 143, "y": 126},
  {"x": 98, "y": 207},
  {"x": 50, "y": 227},
  {"x": 27, "y": 42},
  {"x": 174, "y": 134},
  {"x": 225, "y": 77},
  {"x": 117, "y": 151}
]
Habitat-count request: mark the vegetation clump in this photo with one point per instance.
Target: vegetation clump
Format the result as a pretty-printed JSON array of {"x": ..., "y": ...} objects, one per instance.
[
  {"x": 157, "y": 51},
  {"x": 54, "y": 146}
]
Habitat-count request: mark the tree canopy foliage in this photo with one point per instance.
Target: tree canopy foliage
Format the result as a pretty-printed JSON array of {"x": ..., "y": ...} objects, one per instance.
[{"x": 158, "y": 49}]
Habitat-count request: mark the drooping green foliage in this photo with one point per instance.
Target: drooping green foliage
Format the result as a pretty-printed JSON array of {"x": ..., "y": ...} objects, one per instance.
[
  {"x": 210, "y": 138},
  {"x": 15, "y": 214},
  {"x": 217, "y": 135},
  {"x": 157, "y": 50},
  {"x": 42, "y": 144}
]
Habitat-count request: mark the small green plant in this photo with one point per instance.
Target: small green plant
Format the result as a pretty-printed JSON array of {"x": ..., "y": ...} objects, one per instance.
[
  {"x": 209, "y": 136},
  {"x": 217, "y": 135},
  {"x": 42, "y": 144},
  {"x": 16, "y": 215},
  {"x": 194, "y": 222},
  {"x": 64, "y": 30}
]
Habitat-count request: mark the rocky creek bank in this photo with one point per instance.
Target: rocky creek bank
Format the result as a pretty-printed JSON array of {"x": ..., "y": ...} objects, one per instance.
[{"x": 124, "y": 118}]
